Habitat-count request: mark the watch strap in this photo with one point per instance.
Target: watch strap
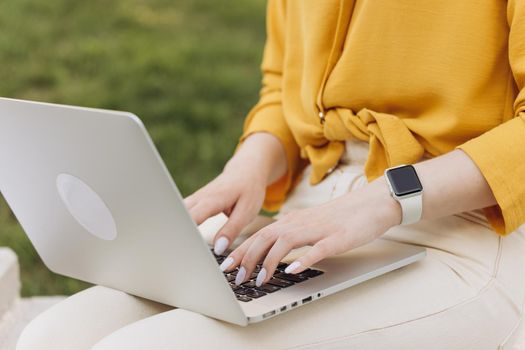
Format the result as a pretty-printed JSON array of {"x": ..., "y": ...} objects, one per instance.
[{"x": 411, "y": 208}]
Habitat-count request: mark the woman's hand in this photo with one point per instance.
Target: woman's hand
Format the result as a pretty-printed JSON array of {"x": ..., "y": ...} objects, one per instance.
[
  {"x": 359, "y": 217},
  {"x": 332, "y": 228},
  {"x": 239, "y": 190}
]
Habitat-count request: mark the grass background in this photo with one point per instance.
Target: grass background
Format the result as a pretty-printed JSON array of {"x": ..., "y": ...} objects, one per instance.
[{"x": 189, "y": 69}]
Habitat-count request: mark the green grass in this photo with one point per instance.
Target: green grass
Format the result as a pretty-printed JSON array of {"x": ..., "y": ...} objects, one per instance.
[{"x": 189, "y": 69}]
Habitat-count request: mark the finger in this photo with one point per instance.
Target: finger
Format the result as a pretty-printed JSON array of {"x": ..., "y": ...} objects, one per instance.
[
  {"x": 258, "y": 249},
  {"x": 194, "y": 198},
  {"x": 191, "y": 200},
  {"x": 208, "y": 207},
  {"x": 284, "y": 244},
  {"x": 235, "y": 257},
  {"x": 242, "y": 214},
  {"x": 322, "y": 249}
]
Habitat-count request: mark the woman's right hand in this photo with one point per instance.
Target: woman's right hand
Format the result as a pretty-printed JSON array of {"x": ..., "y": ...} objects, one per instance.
[{"x": 240, "y": 189}]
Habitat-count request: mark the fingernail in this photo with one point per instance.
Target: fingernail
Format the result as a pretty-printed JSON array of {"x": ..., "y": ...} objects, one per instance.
[
  {"x": 226, "y": 263},
  {"x": 261, "y": 276},
  {"x": 292, "y": 267},
  {"x": 220, "y": 245},
  {"x": 240, "y": 276}
]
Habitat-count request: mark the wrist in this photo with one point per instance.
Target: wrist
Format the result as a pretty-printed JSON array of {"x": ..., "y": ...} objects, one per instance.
[
  {"x": 380, "y": 197},
  {"x": 253, "y": 167},
  {"x": 262, "y": 154}
]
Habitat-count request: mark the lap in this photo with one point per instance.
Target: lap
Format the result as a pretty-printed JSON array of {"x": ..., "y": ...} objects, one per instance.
[
  {"x": 445, "y": 301},
  {"x": 83, "y": 319},
  {"x": 456, "y": 296},
  {"x": 476, "y": 323}
]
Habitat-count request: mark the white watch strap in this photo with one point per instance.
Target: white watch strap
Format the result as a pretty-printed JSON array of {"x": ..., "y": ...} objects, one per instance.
[{"x": 411, "y": 208}]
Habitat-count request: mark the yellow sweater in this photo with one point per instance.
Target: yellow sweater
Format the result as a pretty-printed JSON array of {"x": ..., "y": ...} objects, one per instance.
[{"x": 410, "y": 77}]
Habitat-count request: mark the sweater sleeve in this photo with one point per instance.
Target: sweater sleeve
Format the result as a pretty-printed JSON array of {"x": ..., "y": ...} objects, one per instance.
[
  {"x": 267, "y": 115},
  {"x": 500, "y": 152}
]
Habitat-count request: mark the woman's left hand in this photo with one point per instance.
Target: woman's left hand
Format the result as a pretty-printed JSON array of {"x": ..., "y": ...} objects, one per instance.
[{"x": 332, "y": 228}]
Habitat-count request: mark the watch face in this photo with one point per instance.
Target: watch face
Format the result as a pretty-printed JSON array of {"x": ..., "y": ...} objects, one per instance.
[{"x": 404, "y": 180}]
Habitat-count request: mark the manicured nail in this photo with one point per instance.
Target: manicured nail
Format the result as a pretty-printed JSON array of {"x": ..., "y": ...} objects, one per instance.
[
  {"x": 221, "y": 245},
  {"x": 240, "y": 276},
  {"x": 260, "y": 277},
  {"x": 292, "y": 267},
  {"x": 226, "y": 263}
]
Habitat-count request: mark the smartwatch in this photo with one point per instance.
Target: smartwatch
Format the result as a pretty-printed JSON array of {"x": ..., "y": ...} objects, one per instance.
[{"x": 406, "y": 188}]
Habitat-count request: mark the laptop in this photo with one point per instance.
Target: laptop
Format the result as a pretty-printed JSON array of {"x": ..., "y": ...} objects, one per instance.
[{"x": 96, "y": 200}]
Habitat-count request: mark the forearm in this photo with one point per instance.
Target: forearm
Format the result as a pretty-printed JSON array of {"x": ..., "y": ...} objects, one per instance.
[
  {"x": 264, "y": 151},
  {"x": 452, "y": 184}
]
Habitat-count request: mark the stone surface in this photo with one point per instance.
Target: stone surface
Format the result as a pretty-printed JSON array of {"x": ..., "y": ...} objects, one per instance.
[
  {"x": 9, "y": 279},
  {"x": 15, "y": 313}
]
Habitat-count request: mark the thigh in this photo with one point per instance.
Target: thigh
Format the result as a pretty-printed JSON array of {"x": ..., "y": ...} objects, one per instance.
[
  {"x": 452, "y": 299},
  {"x": 84, "y": 318}
]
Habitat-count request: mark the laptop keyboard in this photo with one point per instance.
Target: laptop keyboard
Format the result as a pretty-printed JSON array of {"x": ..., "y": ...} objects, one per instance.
[{"x": 248, "y": 291}]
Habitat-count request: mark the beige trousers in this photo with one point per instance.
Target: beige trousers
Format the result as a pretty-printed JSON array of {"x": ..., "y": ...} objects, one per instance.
[{"x": 468, "y": 293}]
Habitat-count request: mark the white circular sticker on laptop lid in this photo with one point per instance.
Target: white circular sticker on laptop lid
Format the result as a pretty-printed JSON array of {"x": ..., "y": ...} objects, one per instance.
[{"x": 86, "y": 206}]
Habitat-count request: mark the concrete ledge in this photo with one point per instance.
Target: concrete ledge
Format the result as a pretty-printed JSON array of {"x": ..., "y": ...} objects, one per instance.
[
  {"x": 9, "y": 279},
  {"x": 15, "y": 313},
  {"x": 9, "y": 289}
]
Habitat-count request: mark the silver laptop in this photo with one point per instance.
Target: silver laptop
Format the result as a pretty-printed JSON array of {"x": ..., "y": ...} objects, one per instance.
[{"x": 97, "y": 202}]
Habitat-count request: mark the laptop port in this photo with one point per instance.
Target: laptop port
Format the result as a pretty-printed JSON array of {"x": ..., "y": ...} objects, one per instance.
[
  {"x": 283, "y": 308},
  {"x": 268, "y": 314},
  {"x": 306, "y": 300},
  {"x": 294, "y": 304}
]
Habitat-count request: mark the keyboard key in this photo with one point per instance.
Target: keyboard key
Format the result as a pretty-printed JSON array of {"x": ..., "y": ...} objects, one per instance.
[
  {"x": 243, "y": 298},
  {"x": 291, "y": 277},
  {"x": 249, "y": 284},
  {"x": 241, "y": 291},
  {"x": 268, "y": 288},
  {"x": 312, "y": 273},
  {"x": 230, "y": 277},
  {"x": 234, "y": 286},
  {"x": 253, "y": 293},
  {"x": 280, "y": 283},
  {"x": 282, "y": 266},
  {"x": 302, "y": 274}
]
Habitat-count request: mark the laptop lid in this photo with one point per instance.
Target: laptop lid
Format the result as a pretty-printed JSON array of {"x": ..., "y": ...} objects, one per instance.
[{"x": 97, "y": 202}]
